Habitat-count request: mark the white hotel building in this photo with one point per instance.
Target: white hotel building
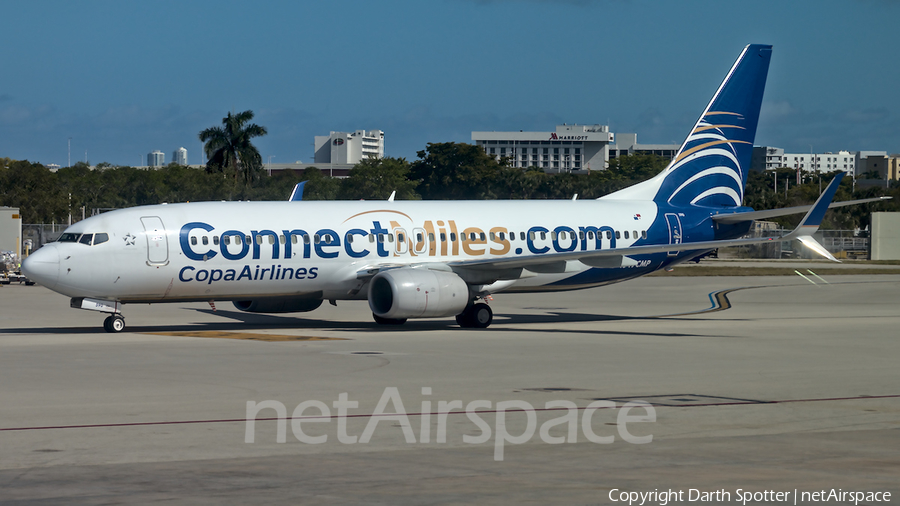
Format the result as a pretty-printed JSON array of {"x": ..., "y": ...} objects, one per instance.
[
  {"x": 569, "y": 148},
  {"x": 769, "y": 158},
  {"x": 349, "y": 148}
]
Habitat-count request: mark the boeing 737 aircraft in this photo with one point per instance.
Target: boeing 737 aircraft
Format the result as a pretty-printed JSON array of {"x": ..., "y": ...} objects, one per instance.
[{"x": 425, "y": 259}]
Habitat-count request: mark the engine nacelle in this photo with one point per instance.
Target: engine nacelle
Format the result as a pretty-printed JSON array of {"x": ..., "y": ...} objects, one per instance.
[
  {"x": 278, "y": 305},
  {"x": 417, "y": 293}
]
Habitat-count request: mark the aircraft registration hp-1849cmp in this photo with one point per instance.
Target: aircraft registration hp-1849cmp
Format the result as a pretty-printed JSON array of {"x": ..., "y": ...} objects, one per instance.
[{"x": 424, "y": 259}]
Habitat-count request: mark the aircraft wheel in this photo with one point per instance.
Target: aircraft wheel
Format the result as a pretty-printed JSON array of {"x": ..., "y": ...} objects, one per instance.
[
  {"x": 114, "y": 324},
  {"x": 388, "y": 321},
  {"x": 481, "y": 316},
  {"x": 477, "y": 316}
]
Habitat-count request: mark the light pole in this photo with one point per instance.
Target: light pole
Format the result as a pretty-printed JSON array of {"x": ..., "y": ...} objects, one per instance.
[{"x": 270, "y": 164}]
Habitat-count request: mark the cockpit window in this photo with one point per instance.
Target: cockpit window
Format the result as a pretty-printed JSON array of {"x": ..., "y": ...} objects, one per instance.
[
  {"x": 69, "y": 237},
  {"x": 86, "y": 239},
  {"x": 100, "y": 238}
]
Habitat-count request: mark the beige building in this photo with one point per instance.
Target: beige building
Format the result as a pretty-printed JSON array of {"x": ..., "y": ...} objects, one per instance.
[{"x": 893, "y": 167}]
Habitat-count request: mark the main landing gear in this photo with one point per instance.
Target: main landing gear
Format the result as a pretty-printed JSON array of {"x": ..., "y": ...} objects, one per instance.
[
  {"x": 477, "y": 316},
  {"x": 114, "y": 323}
]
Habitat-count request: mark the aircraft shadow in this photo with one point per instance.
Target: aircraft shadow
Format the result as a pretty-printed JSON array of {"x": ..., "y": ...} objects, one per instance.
[{"x": 239, "y": 321}]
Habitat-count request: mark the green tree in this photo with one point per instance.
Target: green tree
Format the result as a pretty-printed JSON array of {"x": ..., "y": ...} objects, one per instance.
[
  {"x": 456, "y": 171},
  {"x": 376, "y": 178},
  {"x": 34, "y": 190},
  {"x": 318, "y": 186},
  {"x": 229, "y": 149}
]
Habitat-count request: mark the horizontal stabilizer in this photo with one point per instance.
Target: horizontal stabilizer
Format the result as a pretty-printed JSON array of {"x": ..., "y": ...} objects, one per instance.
[{"x": 786, "y": 211}]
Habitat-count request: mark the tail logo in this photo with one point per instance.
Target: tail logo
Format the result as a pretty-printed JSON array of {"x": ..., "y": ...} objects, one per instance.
[{"x": 713, "y": 156}]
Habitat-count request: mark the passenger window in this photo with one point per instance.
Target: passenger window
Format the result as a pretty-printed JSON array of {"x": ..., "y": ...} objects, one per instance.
[
  {"x": 492, "y": 236},
  {"x": 643, "y": 234},
  {"x": 502, "y": 238},
  {"x": 401, "y": 239},
  {"x": 390, "y": 237},
  {"x": 522, "y": 236},
  {"x": 371, "y": 238},
  {"x": 634, "y": 234},
  {"x": 86, "y": 239},
  {"x": 482, "y": 236},
  {"x": 431, "y": 236},
  {"x": 452, "y": 236},
  {"x": 553, "y": 236},
  {"x": 618, "y": 235},
  {"x": 100, "y": 238},
  {"x": 543, "y": 235},
  {"x": 581, "y": 235},
  {"x": 193, "y": 241},
  {"x": 282, "y": 239},
  {"x": 226, "y": 240},
  {"x": 216, "y": 240},
  {"x": 608, "y": 235},
  {"x": 248, "y": 239},
  {"x": 419, "y": 237},
  {"x": 381, "y": 238},
  {"x": 316, "y": 238},
  {"x": 305, "y": 238},
  {"x": 531, "y": 235},
  {"x": 443, "y": 237},
  {"x": 626, "y": 234},
  {"x": 204, "y": 240}
]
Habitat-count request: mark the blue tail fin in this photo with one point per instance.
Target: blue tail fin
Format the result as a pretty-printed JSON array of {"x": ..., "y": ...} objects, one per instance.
[
  {"x": 297, "y": 194},
  {"x": 711, "y": 167}
]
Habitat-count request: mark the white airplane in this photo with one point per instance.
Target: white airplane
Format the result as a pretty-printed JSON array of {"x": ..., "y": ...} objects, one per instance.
[{"x": 427, "y": 259}]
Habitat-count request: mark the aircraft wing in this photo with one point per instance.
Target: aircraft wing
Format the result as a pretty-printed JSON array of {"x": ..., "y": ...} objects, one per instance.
[
  {"x": 808, "y": 226},
  {"x": 785, "y": 211}
]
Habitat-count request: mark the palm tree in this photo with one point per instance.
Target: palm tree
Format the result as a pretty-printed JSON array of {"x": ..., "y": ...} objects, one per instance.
[{"x": 229, "y": 150}]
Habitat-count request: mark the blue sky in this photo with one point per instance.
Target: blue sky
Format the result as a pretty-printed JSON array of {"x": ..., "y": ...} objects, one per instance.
[{"x": 125, "y": 78}]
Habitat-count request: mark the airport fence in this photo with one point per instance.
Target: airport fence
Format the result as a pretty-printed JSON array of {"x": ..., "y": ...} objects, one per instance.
[{"x": 840, "y": 243}]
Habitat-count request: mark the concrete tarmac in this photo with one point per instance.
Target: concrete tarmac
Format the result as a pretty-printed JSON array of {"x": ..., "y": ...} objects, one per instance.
[{"x": 757, "y": 384}]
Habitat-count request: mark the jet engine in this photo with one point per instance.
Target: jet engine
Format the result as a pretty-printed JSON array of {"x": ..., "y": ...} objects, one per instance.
[
  {"x": 278, "y": 305},
  {"x": 417, "y": 293}
]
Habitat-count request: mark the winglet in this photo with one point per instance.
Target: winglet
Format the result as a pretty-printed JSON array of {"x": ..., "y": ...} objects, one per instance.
[
  {"x": 297, "y": 194},
  {"x": 810, "y": 223}
]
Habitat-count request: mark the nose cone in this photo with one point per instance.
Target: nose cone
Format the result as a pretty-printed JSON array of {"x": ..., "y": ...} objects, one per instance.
[{"x": 42, "y": 266}]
